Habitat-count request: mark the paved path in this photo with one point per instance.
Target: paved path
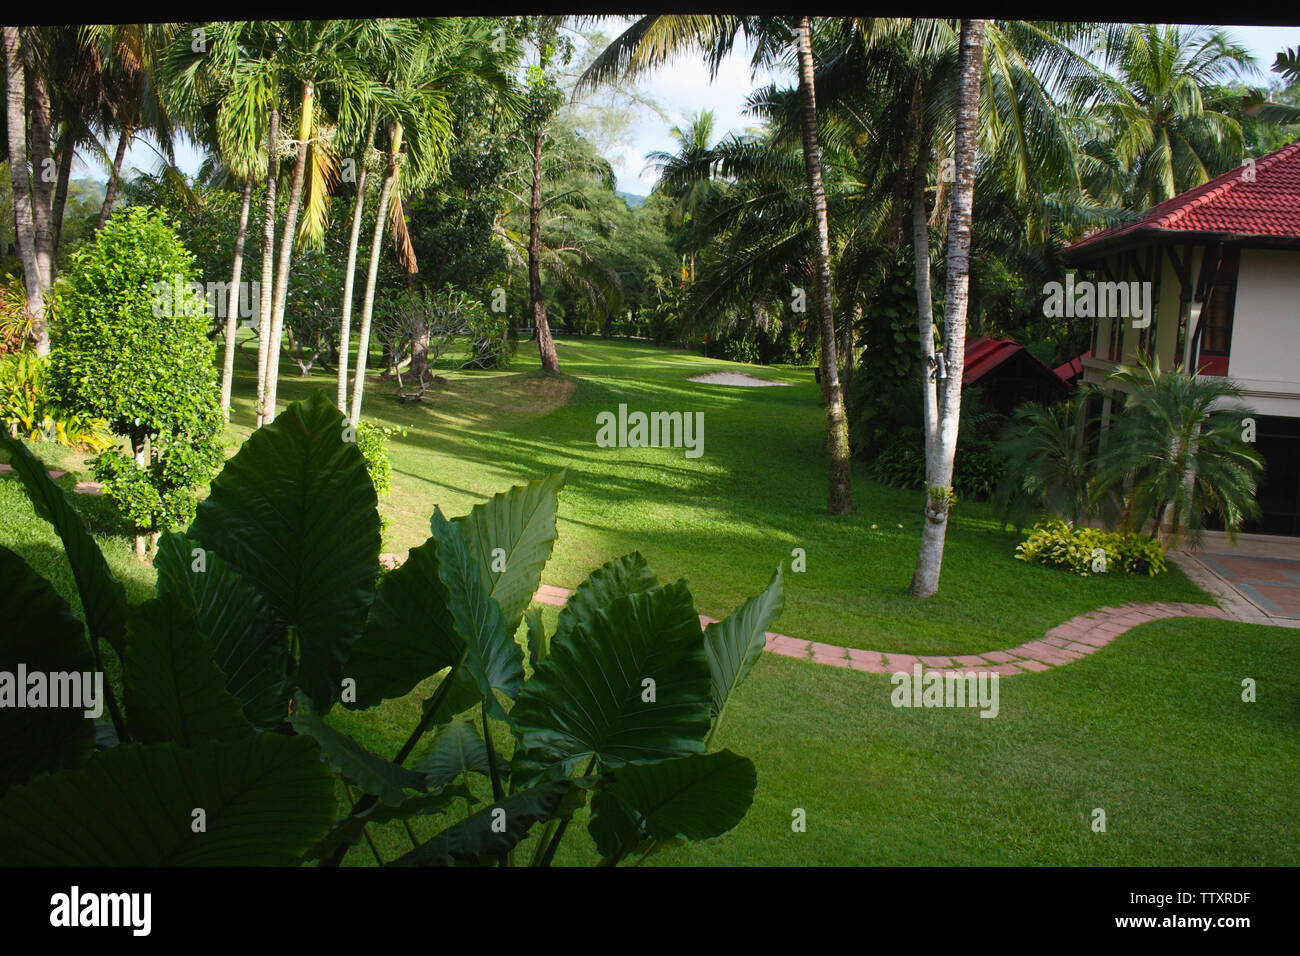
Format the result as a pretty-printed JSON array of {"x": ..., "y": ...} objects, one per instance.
[
  {"x": 82, "y": 487},
  {"x": 1256, "y": 583},
  {"x": 1075, "y": 639}
]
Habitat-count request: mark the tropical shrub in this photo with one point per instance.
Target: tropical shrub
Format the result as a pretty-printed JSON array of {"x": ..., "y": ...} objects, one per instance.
[
  {"x": 28, "y": 411},
  {"x": 1089, "y": 551},
  {"x": 1047, "y": 465},
  {"x": 129, "y": 344},
  {"x": 270, "y": 610},
  {"x": 1177, "y": 453},
  {"x": 15, "y": 320}
]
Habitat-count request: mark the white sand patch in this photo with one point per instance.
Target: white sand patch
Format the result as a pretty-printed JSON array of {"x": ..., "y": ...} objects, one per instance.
[{"x": 733, "y": 378}]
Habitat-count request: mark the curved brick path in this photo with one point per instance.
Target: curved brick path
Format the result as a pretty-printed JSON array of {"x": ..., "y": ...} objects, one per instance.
[{"x": 1076, "y": 638}]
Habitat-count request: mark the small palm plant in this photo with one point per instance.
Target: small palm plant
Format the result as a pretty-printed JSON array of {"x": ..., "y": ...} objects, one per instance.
[
  {"x": 1047, "y": 464},
  {"x": 1178, "y": 451}
]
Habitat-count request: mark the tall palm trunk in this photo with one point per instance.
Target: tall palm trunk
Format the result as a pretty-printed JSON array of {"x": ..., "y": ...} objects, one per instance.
[
  {"x": 286, "y": 249},
  {"x": 268, "y": 263},
  {"x": 545, "y": 343},
  {"x": 372, "y": 274},
  {"x": 839, "y": 476},
  {"x": 66, "y": 151},
  {"x": 46, "y": 176},
  {"x": 924, "y": 305},
  {"x": 114, "y": 178},
  {"x": 234, "y": 299},
  {"x": 24, "y": 222},
  {"x": 349, "y": 272},
  {"x": 970, "y": 57}
]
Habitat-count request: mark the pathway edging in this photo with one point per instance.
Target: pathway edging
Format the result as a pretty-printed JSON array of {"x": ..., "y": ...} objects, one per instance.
[{"x": 1075, "y": 639}]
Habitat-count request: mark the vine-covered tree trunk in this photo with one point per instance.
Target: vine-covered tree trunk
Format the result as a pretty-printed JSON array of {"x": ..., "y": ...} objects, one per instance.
[
  {"x": 970, "y": 62},
  {"x": 839, "y": 476},
  {"x": 234, "y": 298},
  {"x": 268, "y": 262},
  {"x": 545, "y": 343}
]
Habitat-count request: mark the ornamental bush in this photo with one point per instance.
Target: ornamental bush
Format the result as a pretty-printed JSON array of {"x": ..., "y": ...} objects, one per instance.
[
  {"x": 1089, "y": 551},
  {"x": 128, "y": 344}
]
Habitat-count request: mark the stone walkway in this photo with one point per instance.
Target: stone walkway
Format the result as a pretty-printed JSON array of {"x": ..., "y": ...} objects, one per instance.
[
  {"x": 1071, "y": 641},
  {"x": 82, "y": 487}
]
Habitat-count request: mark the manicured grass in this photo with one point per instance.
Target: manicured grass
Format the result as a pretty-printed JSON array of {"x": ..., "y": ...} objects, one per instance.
[
  {"x": 1151, "y": 729},
  {"x": 725, "y": 520}
]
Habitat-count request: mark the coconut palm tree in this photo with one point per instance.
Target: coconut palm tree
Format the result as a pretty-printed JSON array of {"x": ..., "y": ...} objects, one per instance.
[
  {"x": 652, "y": 41},
  {"x": 688, "y": 177},
  {"x": 1163, "y": 108},
  {"x": 25, "y": 215},
  {"x": 1177, "y": 446}
]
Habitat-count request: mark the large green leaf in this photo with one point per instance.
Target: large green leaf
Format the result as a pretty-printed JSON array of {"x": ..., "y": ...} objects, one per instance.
[
  {"x": 369, "y": 771},
  {"x": 410, "y": 633},
  {"x": 694, "y": 798},
  {"x": 42, "y": 634},
  {"x": 626, "y": 575},
  {"x": 455, "y": 749},
  {"x": 589, "y": 697},
  {"x": 492, "y": 657},
  {"x": 521, "y": 523},
  {"x": 247, "y": 638},
  {"x": 266, "y": 799},
  {"x": 735, "y": 644},
  {"x": 103, "y": 600},
  {"x": 295, "y": 513},
  {"x": 174, "y": 691},
  {"x": 492, "y": 831}
]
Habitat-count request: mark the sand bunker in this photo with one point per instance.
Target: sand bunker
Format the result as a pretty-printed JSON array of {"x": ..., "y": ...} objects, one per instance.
[{"x": 733, "y": 378}]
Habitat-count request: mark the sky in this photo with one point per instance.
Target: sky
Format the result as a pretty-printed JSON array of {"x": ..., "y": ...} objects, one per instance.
[{"x": 683, "y": 87}]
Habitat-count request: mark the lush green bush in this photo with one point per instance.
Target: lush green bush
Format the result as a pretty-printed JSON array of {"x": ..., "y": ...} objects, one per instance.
[
  {"x": 270, "y": 610},
  {"x": 1089, "y": 551},
  {"x": 27, "y": 409},
  {"x": 128, "y": 344}
]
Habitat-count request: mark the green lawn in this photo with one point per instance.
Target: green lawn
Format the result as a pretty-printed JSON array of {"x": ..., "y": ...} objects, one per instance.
[{"x": 1151, "y": 729}]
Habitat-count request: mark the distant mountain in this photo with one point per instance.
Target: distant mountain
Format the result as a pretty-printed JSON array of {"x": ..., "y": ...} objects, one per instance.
[{"x": 632, "y": 199}]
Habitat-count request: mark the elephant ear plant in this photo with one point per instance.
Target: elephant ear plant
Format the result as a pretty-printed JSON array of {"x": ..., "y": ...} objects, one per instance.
[{"x": 219, "y": 745}]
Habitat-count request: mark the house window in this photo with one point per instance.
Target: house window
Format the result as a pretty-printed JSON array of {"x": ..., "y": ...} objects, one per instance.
[{"x": 1216, "y": 318}]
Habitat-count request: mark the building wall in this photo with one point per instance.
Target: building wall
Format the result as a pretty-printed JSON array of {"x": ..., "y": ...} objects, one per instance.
[{"x": 1265, "y": 359}]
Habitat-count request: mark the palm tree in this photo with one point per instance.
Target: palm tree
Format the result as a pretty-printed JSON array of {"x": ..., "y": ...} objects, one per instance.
[
  {"x": 652, "y": 41},
  {"x": 941, "y": 437},
  {"x": 1046, "y": 465},
  {"x": 1178, "y": 446},
  {"x": 687, "y": 176},
  {"x": 1163, "y": 108}
]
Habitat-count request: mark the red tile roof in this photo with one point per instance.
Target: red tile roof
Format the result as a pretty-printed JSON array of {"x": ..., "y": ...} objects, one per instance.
[
  {"x": 984, "y": 354},
  {"x": 1265, "y": 206},
  {"x": 1072, "y": 369}
]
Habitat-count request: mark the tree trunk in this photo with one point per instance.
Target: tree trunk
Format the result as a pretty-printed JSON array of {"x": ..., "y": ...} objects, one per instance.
[
  {"x": 924, "y": 307},
  {"x": 46, "y": 175},
  {"x": 66, "y": 151},
  {"x": 372, "y": 274},
  {"x": 349, "y": 273},
  {"x": 545, "y": 344},
  {"x": 24, "y": 224},
  {"x": 284, "y": 267},
  {"x": 929, "y": 561},
  {"x": 114, "y": 178},
  {"x": 268, "y": 263},
  {"x": 839, "y": 476},
  {"x": 234, "y": 299}
]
